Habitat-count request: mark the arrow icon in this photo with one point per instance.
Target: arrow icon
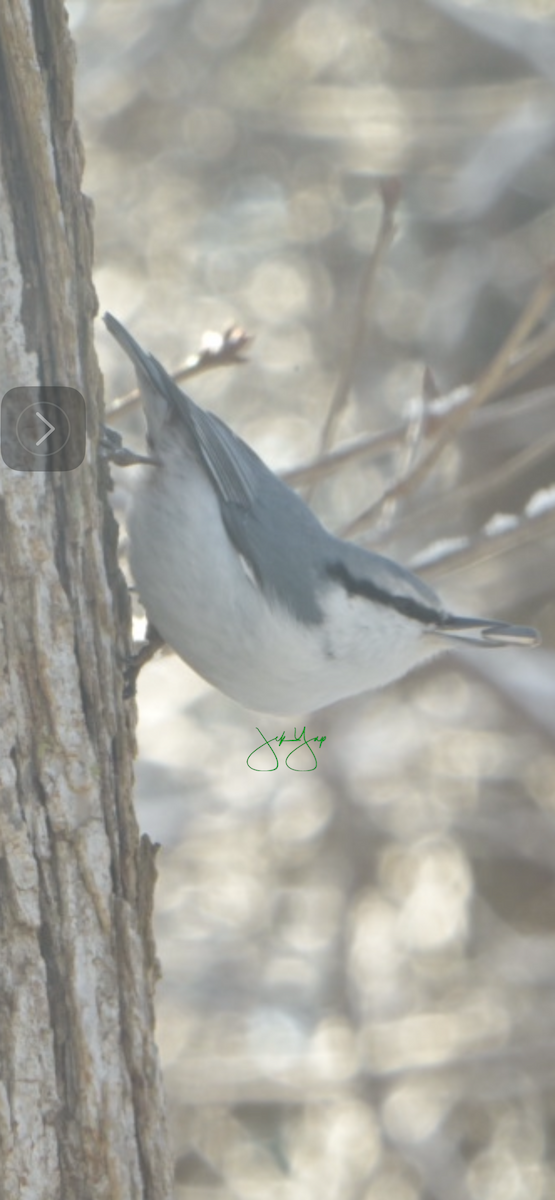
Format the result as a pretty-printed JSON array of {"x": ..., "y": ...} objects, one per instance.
[{"x": 50, "y": 429}]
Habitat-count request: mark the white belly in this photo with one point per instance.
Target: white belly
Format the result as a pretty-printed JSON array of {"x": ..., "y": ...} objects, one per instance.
[{"x": 198, "y": 595}]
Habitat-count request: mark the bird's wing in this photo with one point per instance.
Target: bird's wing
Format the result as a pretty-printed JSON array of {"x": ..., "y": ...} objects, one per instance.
[
  {"x": 233, "y": 467},
  {"x": 269, "y": 525},
  {"x": 274, "y": 529},
  {"x": 364, "y": 573}
]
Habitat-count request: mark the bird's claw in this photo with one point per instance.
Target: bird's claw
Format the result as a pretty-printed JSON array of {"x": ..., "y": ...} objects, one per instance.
[{"x": 136, "y": 661}]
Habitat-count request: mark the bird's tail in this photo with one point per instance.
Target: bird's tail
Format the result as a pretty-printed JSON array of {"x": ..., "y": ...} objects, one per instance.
[
  {"x": 146, "y": 364},
  {"x": 487, "y": 633},
  {"x": 158, "y": 391}
]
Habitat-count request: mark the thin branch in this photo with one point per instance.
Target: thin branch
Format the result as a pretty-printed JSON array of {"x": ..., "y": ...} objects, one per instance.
[
  {"x": 390, "y": 198},
  {"x": 506, "y": 473},
  {"x": 525, "y": 404},
  {"x": 372, "y": 444},
  {"x": 532, "y": 355},
  {"x": 415, "y": 433},
  {"x": 487, "y": 545},
  {"x": 490, "y": 382},
  {"x": 375, "y": 444},
  {"x": 217, "y": 350}
]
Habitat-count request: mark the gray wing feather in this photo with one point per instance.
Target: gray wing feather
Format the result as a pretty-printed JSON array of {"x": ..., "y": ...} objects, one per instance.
[
  {"x": 290, "y": 553},
  {"x": 267, "y": 522},
  {"x": 365, "y": 573},
  {"x": 229, "y": 461}
]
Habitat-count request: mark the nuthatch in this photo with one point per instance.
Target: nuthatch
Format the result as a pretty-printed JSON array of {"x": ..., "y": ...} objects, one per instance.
[{"x": 239, "y": 577}]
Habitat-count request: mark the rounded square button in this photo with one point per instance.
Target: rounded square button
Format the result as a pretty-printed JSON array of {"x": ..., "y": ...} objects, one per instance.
[{"x": 43, "y": 428}]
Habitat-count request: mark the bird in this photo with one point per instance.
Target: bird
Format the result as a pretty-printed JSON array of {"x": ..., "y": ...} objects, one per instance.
[{"x": 240, "y": 578}]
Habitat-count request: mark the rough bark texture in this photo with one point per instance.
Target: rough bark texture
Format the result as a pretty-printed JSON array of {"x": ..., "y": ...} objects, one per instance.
[{"x": 81, "y": 1105}]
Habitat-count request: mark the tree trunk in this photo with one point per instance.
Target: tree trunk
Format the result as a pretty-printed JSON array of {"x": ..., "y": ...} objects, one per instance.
[{"x": 81, "y": 1104}]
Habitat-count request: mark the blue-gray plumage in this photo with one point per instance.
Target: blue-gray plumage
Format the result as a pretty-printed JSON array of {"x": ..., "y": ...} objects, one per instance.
[{"x": 242, "y": 580}]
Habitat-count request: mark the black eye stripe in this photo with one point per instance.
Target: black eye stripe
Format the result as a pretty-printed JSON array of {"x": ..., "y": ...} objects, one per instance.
[{"x": 405, "y": 605}]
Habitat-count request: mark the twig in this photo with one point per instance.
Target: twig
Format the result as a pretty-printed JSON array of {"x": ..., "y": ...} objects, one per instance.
[
  {"x": 375, "y": 444},
  {"x": 372, "y": 444},
  {"x": 475, "y": 488},
  {"x": 217, "y": 350},
  {"x": 485, "y": 387},
  {"x": 532, "y": 355},
  {"x": 414, "y": 436},
  {"x": 525, "y": 404},
  {"x": 486, "y": 545},
  {"x": 390, "y": 197}
]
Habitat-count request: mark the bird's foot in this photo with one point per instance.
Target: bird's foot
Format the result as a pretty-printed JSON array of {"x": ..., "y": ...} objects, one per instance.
[{"x": 139, "y": 658}]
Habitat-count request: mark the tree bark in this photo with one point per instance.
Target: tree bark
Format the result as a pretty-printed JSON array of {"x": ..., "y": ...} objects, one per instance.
[{"x": 81, "y": 1103}]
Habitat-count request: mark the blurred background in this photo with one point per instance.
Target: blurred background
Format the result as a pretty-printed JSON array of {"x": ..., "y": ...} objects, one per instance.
[{"x": 358, "y": 964}]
